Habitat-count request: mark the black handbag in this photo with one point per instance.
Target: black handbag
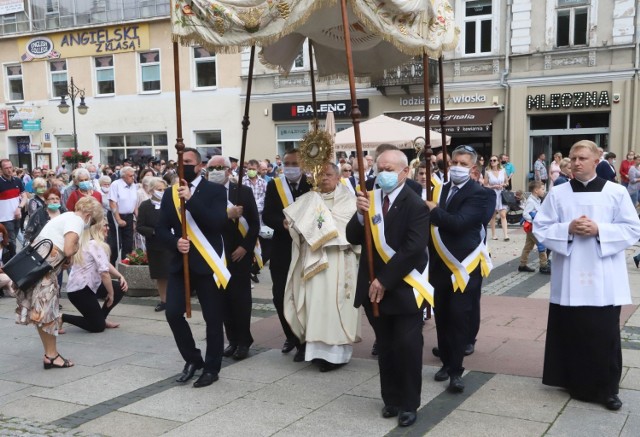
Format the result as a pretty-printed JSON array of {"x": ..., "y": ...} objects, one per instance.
[
  {"x": 508, "y": 198},
  {"x": 27, "y": 267}
]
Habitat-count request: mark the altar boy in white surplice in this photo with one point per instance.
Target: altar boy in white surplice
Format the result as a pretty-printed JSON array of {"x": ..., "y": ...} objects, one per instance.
[
  {"x": 321, "y": 284},
  {"x": 587, "y": 223}
]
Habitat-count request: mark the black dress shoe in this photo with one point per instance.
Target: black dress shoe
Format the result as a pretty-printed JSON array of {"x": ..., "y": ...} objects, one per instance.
[
  {"x": 229, "y": 350},
  {"x": 374, "y": 348},
  {"x": 288, "y": 346},
  {"x": 254, "y": 278},
  {"x": 326, "y": 366},
  {"x": 526, "y": 269},
  {"x": 299, "y": 356},
  {"x": 407, "y": 418},
  {"x": 160, "y": 307},
  {"x": 241, "y": 353},
  {"x": 442, "y": 374},
  {"x": 188, "y": 371},
  {"x": 390, "y": 411},
  {"x": 636, "y": 261},
  {"x": 207, "y": 378},
  {"x": 613, "y": 403},
  {"x": 469, "y": 349},
  {"x": 456, "y": 385},
  {"x": 436, "y": 352}
]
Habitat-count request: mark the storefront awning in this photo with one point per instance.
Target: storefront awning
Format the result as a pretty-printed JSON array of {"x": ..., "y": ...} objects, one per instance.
[{"x": 459, "y": 122}]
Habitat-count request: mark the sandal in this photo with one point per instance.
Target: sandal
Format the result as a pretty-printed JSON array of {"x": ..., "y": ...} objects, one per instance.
[{"x": 52, "y": 365}]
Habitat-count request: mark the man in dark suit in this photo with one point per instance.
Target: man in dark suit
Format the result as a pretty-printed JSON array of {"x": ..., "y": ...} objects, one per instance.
[
  {"x": 294, "y": 184},
  {"x": 207, "y": 204},
  {"x": 459, "y": 217},
  {"x": 239, "y": 251},
  {"x": 398, "y": 329}
]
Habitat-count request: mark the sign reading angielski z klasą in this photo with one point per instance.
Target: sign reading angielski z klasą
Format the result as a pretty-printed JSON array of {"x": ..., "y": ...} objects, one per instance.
[{"x": 85, "y": 42}]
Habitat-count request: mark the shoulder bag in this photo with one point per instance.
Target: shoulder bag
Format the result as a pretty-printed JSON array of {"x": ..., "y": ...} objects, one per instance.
[{"x": 27, "y": 267}]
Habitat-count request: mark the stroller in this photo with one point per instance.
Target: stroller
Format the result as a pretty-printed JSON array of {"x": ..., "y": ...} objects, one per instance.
[{"x": 514, "y": 202}]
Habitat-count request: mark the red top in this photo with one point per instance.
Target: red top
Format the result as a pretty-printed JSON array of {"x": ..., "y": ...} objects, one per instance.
[
  {"x": 624, "y": 170},
  {"x": 77, "y": 195}
]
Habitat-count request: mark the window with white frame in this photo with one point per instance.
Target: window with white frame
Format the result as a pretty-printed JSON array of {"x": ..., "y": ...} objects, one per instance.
[
  {"x": 572, "y": 23},
  {"x": 14, "y": 82},
  {"x": 209, "y": 143},
  {"x": 301, "y": 62},
  {"x": 477, "y": 26},
  {"x": 205, "y": 68},
  {"x": 59, "y": 84},
  {"x": 105, "y": 75},
  {"x": 137, "y": 147},
  {"x": 150, "y": 71}
]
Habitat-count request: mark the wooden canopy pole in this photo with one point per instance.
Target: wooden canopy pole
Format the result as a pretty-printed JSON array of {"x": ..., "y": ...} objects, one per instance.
[
  {"x": 245, "y": 123},
  {"x": 442, "y": 120},
  {"x": 313, "y": 87},
  {"x": 180, "y": 149},
  {"x": 355, "y": 116},
  {"x": 427, "y": 127}
]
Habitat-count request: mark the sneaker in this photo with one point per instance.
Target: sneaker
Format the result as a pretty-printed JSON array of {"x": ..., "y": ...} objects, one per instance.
[
  {"x": 525, "y": 269},
  {"x": 545, "y": 270}
]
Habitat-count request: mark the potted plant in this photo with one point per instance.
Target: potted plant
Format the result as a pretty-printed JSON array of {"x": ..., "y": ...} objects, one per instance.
[
  {"x": 72, "y": 156},
  {"x": 135, "y": 269}
]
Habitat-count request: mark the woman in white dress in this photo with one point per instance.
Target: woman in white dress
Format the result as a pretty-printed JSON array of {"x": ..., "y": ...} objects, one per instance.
[{"x": 496, "y": 179}]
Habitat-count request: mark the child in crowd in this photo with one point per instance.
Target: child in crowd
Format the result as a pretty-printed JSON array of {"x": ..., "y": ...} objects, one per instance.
[{"x": 531, "y": 207}]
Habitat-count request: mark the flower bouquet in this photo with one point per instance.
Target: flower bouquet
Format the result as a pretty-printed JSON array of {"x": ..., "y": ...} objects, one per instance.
[
  {"x": 72, "y": 156},
  {"x": 136, "y": 258}
]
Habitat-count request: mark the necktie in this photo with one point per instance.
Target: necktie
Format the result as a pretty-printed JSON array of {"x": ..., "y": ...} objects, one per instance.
[
  {"x": 385, "y": 206},
  {"x": 453, "y": 192},
  {"x": 294, "y": 188}
]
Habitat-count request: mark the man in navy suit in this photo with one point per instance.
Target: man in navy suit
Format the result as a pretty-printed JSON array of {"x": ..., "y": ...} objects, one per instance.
[
  {"x": 239, "y": 250},
  {"x": 459, "y": 217},
  {"x": 207, "y": 204},
  {"x": 398, "y": 329}
]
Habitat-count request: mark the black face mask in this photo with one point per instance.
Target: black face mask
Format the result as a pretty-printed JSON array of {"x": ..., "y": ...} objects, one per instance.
[
  {"x": 189, "y": 173},
  {"x": 503, "y": 162}
]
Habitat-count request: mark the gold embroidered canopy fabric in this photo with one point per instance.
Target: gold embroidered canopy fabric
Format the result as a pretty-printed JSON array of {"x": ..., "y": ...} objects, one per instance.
[{"x": 383, "y": 33}]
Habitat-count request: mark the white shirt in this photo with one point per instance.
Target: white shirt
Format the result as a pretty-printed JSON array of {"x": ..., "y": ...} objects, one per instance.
[
  {"x": 59, "y": 226},
  {"x": 125, "y": 196}
]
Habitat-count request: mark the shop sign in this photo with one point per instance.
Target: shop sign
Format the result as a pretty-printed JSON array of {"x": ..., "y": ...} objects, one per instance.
[
  {"x": 304, "y": 110},
  {"x": 11, "y": 6},
  {"x": 457, "y": 121},
  {"x": 86, "y": 42},
  {"x": 15, "y": 122},
  {"x": 582, "y": 99},
  {"x": 34, "y": 147},
  {"x": 31, "y": 125},
  {"x": 449, "y": 100},
  {"x": 4, "y": 120}
]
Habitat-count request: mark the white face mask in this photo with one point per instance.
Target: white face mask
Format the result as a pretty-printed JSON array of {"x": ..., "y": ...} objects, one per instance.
[
  {"x": 217, "y": 176},
  {"x": 459, "y": 174},
  {"x": 292, "y": 173},
  {"x": 158, "y": 194},
  {"x": 105, "y": 189}
]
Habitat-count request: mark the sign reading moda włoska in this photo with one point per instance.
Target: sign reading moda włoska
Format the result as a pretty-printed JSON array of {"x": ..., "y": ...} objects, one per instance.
[{"x": 85, "y": 42}]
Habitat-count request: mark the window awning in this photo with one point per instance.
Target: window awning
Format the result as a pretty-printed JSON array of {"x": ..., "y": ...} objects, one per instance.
[{"x": 458, "y": 121}]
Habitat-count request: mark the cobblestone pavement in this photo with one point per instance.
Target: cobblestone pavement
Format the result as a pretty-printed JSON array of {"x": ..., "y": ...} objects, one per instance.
[{"x": 17, "y": 427}]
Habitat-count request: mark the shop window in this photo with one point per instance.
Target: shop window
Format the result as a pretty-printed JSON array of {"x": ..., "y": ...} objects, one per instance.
[
  {"x": 477, "y": 26},
  {"x": 58, "y": 71},
  {"x": 14, "y": 82},
  {"x": 541, "y": 122},
  {"x": 138, "y": 147},
  {"x": 105, "y": 75},
  {"x": 150, "y": 71},
  {"x": 204, "y": 68},
  {"x": 572, "y": 23},
  {"x": 209, "y": 143}
]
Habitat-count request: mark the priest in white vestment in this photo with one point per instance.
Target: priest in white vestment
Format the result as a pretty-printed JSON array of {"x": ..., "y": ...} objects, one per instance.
[
  {"x": 587, "y": 223},
  {"x": 321, "y": 284}
]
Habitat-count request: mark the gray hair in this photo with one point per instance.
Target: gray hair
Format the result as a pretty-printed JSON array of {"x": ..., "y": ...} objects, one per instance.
[
  {"x": 335, "y": 168},
  {"x": 401, "y": 158},
  {"x": 82, "y": 172},
  {"x": 145, "y": 183},
  {"x": 155, "y": 181},
  {"x": 39, "y": 182},
  {"x": 127, "y": 169},
  {"x": 104, "y": 180}
]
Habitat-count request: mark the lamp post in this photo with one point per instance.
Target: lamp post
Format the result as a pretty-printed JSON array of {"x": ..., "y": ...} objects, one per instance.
[{"x": 73, "y": 92}]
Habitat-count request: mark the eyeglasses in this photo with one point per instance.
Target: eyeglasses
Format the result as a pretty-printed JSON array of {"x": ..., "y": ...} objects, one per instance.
[
  {"x": 217, "y": 167},
  {"x": 464, "y": 148},
  {"x": 493, "y": 160}
]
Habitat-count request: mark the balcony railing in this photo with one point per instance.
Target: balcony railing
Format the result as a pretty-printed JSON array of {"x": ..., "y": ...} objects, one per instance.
[{"x": 410, "y": 73}]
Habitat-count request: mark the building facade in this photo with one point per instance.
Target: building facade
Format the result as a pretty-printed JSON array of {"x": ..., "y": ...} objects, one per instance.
[
  {"x": 526, "y": 77},
  {"x": 119, "y": 54}
]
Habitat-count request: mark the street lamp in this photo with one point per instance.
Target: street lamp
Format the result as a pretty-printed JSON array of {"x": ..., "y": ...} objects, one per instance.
[{"x": 73, "y": 92}]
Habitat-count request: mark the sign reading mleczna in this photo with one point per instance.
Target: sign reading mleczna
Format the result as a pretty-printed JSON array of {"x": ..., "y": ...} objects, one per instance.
[{"x": 582, "y": 99}]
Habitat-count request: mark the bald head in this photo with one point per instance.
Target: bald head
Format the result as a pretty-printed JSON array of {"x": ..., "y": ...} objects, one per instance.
[{"x": 396, "y": 157}]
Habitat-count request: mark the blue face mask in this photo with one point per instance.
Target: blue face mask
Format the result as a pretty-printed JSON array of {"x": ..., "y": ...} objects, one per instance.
[
  {"x": 387, "y": 180},
  {"x": 53, "y": 206},
  {"x": 85, "y": 185}
]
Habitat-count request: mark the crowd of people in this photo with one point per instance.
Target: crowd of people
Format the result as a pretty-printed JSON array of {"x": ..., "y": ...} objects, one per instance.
[{"x": 429, "y": 239}]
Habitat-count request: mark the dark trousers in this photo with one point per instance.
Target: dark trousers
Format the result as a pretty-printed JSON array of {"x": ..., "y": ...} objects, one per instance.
[
  {"x": 93, "y": 317},
  {"x": 400, "y": 345},
  {"x": 279, "y": 279},
  {"x": 211, "y": 301},
  {"x": 454, "y": 317},
  {"x": 125, "y": 234},
  {"x": 237, "y": 303},
  {"x": 12, "y": 230},
  {"x": 474, "y": 317}
]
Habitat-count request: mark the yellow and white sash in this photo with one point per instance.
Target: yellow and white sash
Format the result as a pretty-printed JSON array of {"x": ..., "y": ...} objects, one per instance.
[
  {"x": 460, "y": 270},
  {"x": 243, "y": 227},
  {"x": 347, "y": 183},
  {"x": 217, "y": 263},
  {"x": 422, "y": 290},
  {"x": 283, "y": 191}
]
